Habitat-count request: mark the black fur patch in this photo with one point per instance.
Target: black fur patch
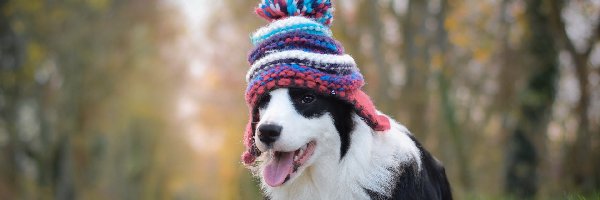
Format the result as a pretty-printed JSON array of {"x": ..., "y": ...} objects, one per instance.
[
  {"x": 340, "y": 111},
  {"x": 435, "y": 182},
  {"x": 264, "y": 101},
  {"x": 374, "y": 195}
]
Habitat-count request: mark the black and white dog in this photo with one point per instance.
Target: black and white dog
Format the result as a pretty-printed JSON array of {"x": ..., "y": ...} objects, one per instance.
[{"x": 316, "y": 147}]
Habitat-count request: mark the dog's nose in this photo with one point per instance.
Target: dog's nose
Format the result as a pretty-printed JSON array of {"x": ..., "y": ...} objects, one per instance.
[{"x": 268, "y": 133}]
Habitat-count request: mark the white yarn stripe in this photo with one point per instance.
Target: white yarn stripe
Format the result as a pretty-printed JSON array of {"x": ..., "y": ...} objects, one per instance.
[
  {"x": 302, "y": 55},
  {"x": 287, "y": 22}
]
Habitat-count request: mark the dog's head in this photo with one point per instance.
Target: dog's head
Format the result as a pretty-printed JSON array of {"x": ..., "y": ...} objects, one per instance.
[{"x": 298, "y": 128}]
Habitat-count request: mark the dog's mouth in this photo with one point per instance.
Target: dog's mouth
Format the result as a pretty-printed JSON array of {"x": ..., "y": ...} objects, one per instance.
[{"x": 285, "y": 164}]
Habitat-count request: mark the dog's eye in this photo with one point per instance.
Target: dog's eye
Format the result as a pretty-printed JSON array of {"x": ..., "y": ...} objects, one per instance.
[
  {"x": 308, "y": 98},
  {"x": 264, "y": 101}
]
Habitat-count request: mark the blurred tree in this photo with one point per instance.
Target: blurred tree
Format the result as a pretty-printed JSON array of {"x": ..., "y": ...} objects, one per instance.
[
  {"x": 580, "y": 152},
  {"x": 84, "y": 88},
  {"x": 11, "y": 51},
  {"x": 375, "y": 28},
  {"x": 444, "y": 74},
  {"x": 416, "y": 56},
  {"x": 222, "y": 97},
  {"x": 527, "y": 138}
]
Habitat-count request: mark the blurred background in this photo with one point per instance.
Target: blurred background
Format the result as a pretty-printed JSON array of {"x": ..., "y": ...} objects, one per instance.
[{"x": 143, "y": 99}]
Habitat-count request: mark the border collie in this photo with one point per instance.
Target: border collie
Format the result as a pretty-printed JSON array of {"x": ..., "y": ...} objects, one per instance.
[{"x": 316, "y": 147}]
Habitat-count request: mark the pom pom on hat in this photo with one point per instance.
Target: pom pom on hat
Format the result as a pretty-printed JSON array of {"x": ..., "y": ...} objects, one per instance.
[{"x": 318, "y": 10}]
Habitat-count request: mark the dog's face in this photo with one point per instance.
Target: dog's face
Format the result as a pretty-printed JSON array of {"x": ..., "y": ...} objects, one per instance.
[{"x": 298, "y": 128}]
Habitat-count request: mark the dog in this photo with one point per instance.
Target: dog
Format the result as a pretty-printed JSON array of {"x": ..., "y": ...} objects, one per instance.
[{"x": 316, "y": 147}]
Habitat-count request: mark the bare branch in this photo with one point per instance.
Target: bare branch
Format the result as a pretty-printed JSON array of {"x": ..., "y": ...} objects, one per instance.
[
  {"x": 559, "y": 27},
  {"x": 592, "y": 40},
  {"x": 560, "y": 30}
]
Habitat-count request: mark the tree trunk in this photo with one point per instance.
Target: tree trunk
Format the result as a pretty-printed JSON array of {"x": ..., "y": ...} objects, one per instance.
[
  {"x": 11, "y": 59},
  {"x": 447, "y": 103},
  {"x": 416, "y": 56},
  {"x": 581, "y": 171},
  {"x": 383, "y": 75},
  {"x": 526, "y": 140}
]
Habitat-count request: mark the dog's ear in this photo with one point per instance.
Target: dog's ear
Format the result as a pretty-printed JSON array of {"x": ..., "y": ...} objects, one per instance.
[{"x": 262, "y": 103}]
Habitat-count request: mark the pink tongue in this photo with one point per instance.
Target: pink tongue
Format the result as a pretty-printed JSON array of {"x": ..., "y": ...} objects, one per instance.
[{"x": 278, "y": 169}]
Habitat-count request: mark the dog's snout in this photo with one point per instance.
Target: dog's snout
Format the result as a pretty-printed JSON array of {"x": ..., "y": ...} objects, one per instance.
[{"x": 269, "y": 133}]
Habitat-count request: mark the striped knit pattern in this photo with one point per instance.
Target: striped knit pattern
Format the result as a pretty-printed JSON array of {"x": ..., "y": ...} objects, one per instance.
[
  {"x": 290, "y": 24},
  {"x": 297, "y": 50},
  {"x": 334, "y": 64},
  {"x": 297, "y": 40}
]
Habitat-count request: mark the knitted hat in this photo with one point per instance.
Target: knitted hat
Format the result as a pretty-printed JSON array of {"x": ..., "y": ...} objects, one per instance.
[{"x": 297, "y": 50}]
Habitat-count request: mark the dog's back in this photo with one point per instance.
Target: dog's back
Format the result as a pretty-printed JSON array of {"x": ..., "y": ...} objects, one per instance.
[{"x": 428, "y": 183}]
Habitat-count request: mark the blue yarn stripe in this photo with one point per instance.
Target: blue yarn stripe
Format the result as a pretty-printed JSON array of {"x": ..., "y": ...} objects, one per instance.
[
  {"x": 307, "y": 6},
  {"x": 291, "y": 7},
  {"x": 288, "y": 28}
]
